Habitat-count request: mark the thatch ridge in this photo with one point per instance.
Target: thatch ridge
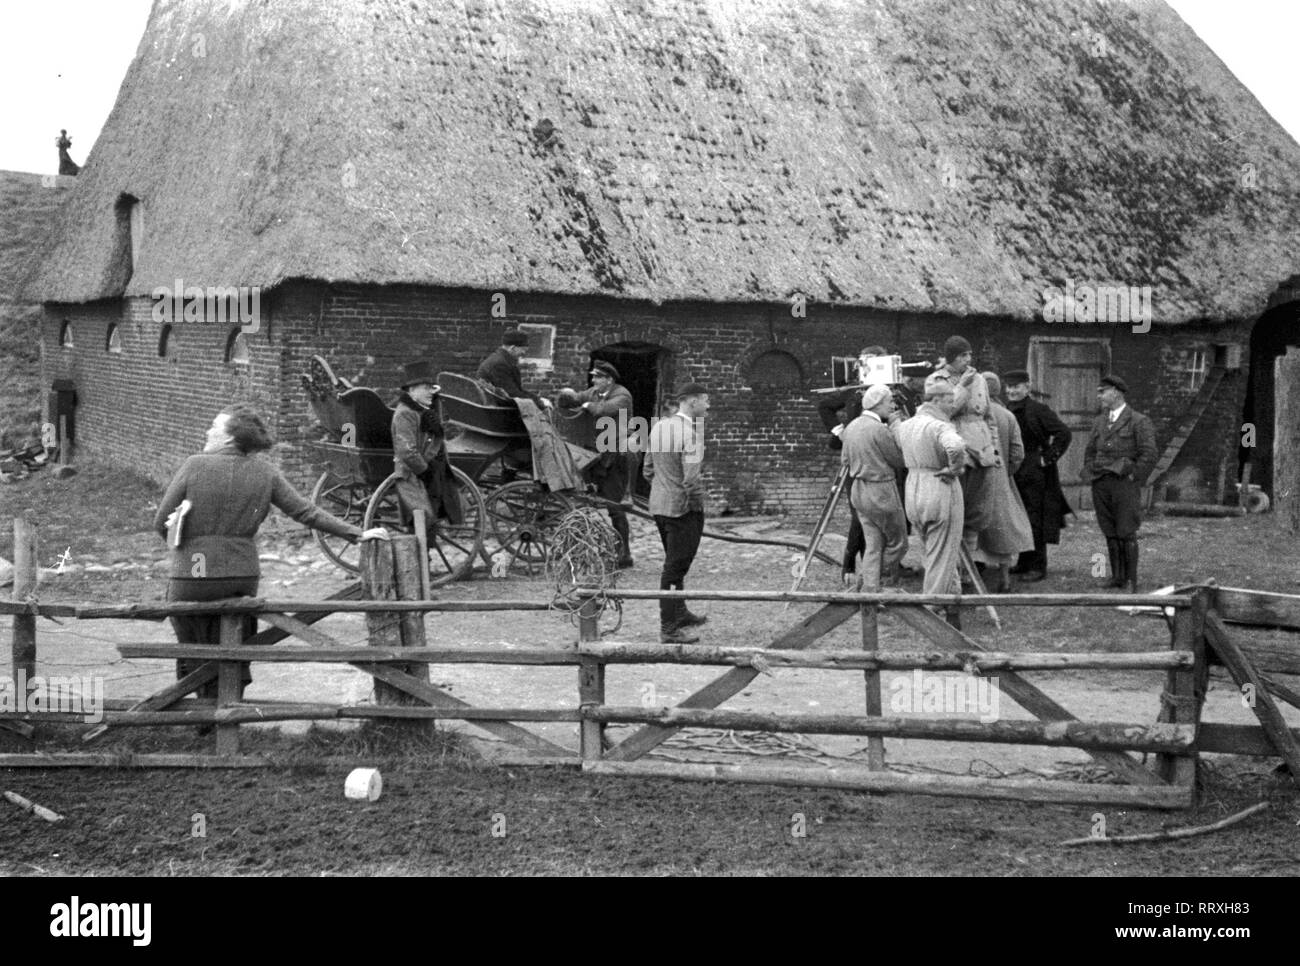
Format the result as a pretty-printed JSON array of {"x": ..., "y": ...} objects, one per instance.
[{"x": 871, "y": 152}]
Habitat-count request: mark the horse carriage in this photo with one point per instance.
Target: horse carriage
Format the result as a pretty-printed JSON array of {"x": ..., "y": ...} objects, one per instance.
[{"x": 507, "y": 515}]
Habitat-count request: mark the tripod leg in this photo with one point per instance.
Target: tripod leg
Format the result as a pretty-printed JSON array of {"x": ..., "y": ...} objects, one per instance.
[
  {"x": 823, "y": 521},
  {"x": 968, "y": 562}
]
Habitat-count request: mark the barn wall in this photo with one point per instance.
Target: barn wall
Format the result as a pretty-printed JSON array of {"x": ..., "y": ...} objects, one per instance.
[
  {"x": 139, "y": 409},
  {"x": 766, "y": 449}
]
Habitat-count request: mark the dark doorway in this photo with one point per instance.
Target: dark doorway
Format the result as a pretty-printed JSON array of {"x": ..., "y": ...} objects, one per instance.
[
  {"x": 643, "y": 368},
  {"x": 1276, "y": 329}
]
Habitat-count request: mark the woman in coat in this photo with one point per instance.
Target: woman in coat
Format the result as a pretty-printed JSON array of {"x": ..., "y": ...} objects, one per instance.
[
  {"x": 424, "y": 476},
  {"x": 210, "y": 516}
]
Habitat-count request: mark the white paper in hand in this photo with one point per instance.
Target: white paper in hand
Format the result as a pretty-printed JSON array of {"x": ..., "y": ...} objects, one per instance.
[{"x": 176, "y": 523}]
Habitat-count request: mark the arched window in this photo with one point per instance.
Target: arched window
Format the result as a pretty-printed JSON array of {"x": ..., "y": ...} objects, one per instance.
[
  {"x": 166, "y": 343},
  {"x": 65, "y": 335},
  {"x": 113, "y": 342},
  {"x": 237, "y": 348},
  {"x": 775, "y": 369}
]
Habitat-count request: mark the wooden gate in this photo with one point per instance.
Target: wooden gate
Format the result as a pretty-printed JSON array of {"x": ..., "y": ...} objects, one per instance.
[{"x": 1068, "y": 370}]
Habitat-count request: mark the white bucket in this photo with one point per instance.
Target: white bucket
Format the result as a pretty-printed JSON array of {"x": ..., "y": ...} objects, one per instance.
[{"x": 364, "y": 784}]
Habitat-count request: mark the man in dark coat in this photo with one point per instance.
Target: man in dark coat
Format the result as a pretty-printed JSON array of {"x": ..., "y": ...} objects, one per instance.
[
  {"x": 1046, "y": 439},
  {"x": 610, "y": 405},
  {"x": 424, "y": 478},
  {"x": 500, "y": 368},
  {"x": 1121, "y": 454}
]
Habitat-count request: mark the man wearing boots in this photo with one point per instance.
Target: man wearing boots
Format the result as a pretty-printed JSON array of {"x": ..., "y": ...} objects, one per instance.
[
  {"x": 1120, "y": 455},
  {"x": 1046, "y": 439},
  {"x": 608, "y": 403},
  {"x": 934, "y": 453},
  {"x": 673, "y": 465},
  {"x": 873, "y": 459}
]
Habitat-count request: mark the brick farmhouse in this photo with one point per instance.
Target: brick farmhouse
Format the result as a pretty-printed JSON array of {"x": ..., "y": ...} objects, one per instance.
[{"x": 726, "y": 193}]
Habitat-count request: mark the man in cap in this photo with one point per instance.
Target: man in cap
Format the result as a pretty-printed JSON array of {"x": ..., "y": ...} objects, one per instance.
[
  {"x": 501, "y": 369},
  {"x": 1120, "y": 455},
  {"x": 934, "y": 454},
  {"x": 1046, "y": 439},
  {"x": 610, "y": 405},
  {"x": 424, "y": 478},
  {"x": 873, "y": 458},
  {"x": 673, "y": 465},
  {"x": 970, "y": 417}
]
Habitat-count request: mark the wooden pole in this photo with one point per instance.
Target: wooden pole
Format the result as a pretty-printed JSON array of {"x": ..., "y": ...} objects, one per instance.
[
  {"x": 591, "y": 680},
  {"x": 26, "y": 572},
  {"x": 229, "y": 683},
  {"x": 390, "y": 571},
  {"x": 1185, "y": 689},
  {"x": 871, "y": 643},
  {"x": 421, "y": 527},
  {"x": 860, "y": 779}
]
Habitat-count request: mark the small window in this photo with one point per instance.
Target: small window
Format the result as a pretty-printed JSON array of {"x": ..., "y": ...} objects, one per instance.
[
  {"x": 1197, "y": 369},
  {"x": 114, "y": 341},
  {"x": 775, "y": 369},
  {"x": 166, "y": 343},
  {"x": 237, "y": 348},
  {"x": 540, "y": 351},
  {"x": 65, "y": 335}
]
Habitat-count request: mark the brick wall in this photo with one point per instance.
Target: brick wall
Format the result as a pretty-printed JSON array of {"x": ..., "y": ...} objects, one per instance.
[{"x": 766, "y": 449}]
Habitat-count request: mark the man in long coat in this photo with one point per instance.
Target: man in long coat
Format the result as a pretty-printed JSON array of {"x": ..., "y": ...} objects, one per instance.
[
  {"x": 1046, "y": 439},
  {"x": 424, "y": 478},
  {"x": 873, "y": 458},
  {"x": 934, "y": 454},
  {"x": 500, "y": 368},
  {"x": 1121, "y": 454},
  {"x": 1008, "y": 533}
]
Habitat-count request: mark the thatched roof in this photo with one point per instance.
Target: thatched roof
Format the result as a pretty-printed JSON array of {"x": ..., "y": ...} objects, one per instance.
[
  {"x": 905, "y": 154},
  {"x": 29, "y": 206}
]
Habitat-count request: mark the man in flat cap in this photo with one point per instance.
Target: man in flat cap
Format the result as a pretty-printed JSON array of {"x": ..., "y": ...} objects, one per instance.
[
  {"x": 610, "y": 405},
  {"x": 1046, "y": 439},
  {"x": 873, "y": 458},
  {"x": 1120, "y": 455},
  {"x": 934, "y": 453},
  {"x": 501, "y": 369},
  {"x": 673, "y": 465}
]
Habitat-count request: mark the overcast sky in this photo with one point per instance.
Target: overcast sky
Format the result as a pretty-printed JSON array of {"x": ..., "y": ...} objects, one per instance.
[{"x": 61, "y": 62}]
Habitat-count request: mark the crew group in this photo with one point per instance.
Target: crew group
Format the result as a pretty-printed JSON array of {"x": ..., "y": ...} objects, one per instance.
[{"x": 975, "y": 473}]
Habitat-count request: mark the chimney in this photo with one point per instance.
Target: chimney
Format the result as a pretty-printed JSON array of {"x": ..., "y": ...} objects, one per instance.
[{"x": 66, "y": 164}]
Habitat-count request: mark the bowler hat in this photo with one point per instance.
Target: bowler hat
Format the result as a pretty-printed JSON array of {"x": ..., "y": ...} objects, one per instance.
[
  {"x": 417, "y": 372},
  {"x": 515, "y": 338},
  {"x": 604, "y": 368},
  {"x": 1016, "y": 377},
  {"x": 1115, "y": 381},
  {"x": 691, "y": 389}
]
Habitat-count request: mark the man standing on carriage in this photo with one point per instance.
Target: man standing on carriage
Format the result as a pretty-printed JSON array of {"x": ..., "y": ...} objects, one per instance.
[
  {"x": 608, "y": 403},
  {"x": 500, "y": 369},
  {"x": 420, "y": 460}
]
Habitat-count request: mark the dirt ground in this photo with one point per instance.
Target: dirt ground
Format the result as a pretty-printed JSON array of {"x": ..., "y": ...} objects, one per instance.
[{"x": 294, "y": 820}]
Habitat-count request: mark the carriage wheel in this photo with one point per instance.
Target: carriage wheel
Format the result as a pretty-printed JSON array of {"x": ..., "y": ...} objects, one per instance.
[
  {"x": 452, "y": 548},
  {"x": 523, "y": 516},
  {"x": 347, "y": 501}
]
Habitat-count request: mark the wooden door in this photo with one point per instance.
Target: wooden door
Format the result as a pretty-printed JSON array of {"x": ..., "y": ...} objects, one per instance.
[{"x": 1067, "y": 370}]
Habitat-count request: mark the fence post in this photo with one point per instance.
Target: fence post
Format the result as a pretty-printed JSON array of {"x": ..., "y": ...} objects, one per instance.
[
  {"x": 1185, "y": 688},
  {"x": 871, "y": 642},
  {"x": 591, "y": 678},
  {"x": 229, "y": 679},
  {"x": 390, "y": 570},
  {"x": 26, "y": 567}
]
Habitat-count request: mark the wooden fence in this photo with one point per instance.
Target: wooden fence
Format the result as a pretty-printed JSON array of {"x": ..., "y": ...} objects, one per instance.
[{"x": 398, "y": 658}]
